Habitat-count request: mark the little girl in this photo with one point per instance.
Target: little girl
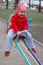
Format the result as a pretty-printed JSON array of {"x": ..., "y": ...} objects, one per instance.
[{"x": 18, "y": 23}]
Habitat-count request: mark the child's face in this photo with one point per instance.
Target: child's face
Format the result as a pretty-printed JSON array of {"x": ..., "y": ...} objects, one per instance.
[{"x": 21, "y": 14}]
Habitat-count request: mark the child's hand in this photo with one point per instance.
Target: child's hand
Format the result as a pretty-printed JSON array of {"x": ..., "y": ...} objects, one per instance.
[
  {"x": 25, "y": 31},
  {"x": 18, "y": 33}
]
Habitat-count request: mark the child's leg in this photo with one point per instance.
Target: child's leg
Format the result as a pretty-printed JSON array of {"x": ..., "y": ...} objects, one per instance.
[
  {"x": 9, "y": 38},
  {"x": 31, "y": 42}
]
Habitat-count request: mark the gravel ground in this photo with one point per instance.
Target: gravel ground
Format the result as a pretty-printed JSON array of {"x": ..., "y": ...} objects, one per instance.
[{"x": 37, "y": 31}]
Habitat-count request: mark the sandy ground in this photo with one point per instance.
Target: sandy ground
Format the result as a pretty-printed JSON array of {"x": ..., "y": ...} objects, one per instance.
[
  {"x": 15, "y": 58},
  {"x": 37, "y": 31}
]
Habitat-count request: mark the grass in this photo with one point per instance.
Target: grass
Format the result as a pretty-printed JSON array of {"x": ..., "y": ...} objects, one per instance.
[
  {"x": 4, "y": 13},
  {"x": 35, "y": 15}
]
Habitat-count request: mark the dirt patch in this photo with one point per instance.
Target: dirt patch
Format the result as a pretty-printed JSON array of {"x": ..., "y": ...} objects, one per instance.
[{"x": 37, "y": 31}]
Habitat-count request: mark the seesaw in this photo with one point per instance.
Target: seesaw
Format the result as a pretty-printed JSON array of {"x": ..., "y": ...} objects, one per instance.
[
  {"x": 33, "y": 55},
  {"x": 21, "y": 51},
  {"x": 32, "y": 58}
]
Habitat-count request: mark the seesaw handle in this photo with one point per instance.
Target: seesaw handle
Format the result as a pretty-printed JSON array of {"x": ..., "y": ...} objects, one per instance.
[{"x": 26, "y": 37}]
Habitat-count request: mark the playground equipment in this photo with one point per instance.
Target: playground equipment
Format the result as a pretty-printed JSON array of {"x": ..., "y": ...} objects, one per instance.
[
  {"x": 21, "y": 51},
  {"x": 19, "y": 47},
  {"x": 33, "y": 54}
]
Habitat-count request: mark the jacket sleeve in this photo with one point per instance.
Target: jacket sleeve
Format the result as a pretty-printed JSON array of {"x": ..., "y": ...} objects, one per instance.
[
  {"x": 26, "y": 24},
  {"x": 14, "y": 26}
]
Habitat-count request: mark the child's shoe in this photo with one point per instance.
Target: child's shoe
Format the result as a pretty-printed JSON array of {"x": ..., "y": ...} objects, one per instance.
[
  {"x": 34, "y": 50},
  {"x": 7, "y": 53}
]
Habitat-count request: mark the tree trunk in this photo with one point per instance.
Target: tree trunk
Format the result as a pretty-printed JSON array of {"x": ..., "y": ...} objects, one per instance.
[
  {"x": 16, "y": 3},
  {"x": 39, "y": 5},
  {"x": 29, "y": 3},
  {"x": 6, "y": 4}
]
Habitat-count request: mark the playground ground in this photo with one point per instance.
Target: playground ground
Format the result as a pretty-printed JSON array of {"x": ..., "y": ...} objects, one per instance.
[{"x": 15, "y": 58}]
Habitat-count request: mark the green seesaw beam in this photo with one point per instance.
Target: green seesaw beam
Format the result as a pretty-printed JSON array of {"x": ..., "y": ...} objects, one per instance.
[{"x": 22, "y": 52}]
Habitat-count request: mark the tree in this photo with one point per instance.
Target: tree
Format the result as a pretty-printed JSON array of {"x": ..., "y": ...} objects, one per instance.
[
  {"x": 39, "y": 5},
  {"x": 16, "y": 3},
  {"x": 29, "y": 3},
  {"x": 6, "y": 4}
]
